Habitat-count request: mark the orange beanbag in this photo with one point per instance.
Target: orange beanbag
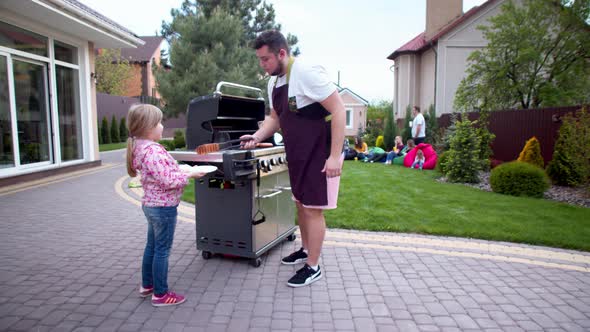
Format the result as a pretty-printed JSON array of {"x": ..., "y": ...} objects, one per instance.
[{"x": 429, "y": 155}]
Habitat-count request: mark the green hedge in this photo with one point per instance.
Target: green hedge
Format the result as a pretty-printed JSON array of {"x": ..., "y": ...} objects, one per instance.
[{"x": 519, "y": 178}]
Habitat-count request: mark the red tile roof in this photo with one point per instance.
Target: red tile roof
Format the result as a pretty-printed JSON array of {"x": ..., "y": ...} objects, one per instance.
[
  {"x": 142, "y": 53},
  {"x": 419, "y": 43}
]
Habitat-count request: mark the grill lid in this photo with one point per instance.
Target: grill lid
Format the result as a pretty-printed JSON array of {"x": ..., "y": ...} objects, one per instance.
[{"x": 220, "y": 117}]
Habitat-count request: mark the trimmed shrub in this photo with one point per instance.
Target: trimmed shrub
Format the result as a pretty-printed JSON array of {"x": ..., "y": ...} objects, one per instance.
[
  {"x": 519, "y": 178},
  {"x": 485, "y": 140},
  {"x": 99, "y": 131},
  {"x": 168, "y": 144},
  {"x": 407, "y": 130},
  {"x": 442, "y": 161},
  {"x": 463, "y": 156},
  {"x": 531, "y": 153},
  {"x": 431, "y": 126},
  {"x": 123, "y": 132},
  {"x": 390, "y": 132},
  {"x": 105, "y": 132},
  {"x": 115, "y": 130},
  {"x": 571, "y": 157},
  {"x": 379, "y": 142},
  {"x": 179, "y": 141}
]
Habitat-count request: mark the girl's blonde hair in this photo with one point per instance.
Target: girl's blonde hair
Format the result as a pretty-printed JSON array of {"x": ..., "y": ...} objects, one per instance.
[{"x": 140, "y": 119}]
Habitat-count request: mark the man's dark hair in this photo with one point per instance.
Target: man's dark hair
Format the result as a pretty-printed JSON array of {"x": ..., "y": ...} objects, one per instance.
[
  {"x": 273, "y": 39},
  {"x": 417, "y": 109}
]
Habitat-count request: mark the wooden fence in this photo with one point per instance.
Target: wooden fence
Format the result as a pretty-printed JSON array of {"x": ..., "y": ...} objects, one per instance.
[{"x": 514, "y": 127}]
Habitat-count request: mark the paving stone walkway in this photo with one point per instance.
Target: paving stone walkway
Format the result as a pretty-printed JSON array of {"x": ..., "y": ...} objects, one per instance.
[{"x": 70, "y": 252}]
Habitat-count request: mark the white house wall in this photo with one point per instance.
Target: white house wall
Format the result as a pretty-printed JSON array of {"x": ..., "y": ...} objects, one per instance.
[
  {"x": 453, "y": 50},
  {"x": 427, "y": 79},
  {"x": 408, "y": 83}
]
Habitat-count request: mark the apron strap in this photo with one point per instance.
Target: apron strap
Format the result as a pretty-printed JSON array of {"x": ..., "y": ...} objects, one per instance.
[{"x": 291, "y": 61}]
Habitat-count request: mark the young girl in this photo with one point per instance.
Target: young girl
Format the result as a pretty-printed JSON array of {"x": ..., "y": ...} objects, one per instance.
[
  {"x": 419, "y": 160},
  {"x": 162, "y": 183}
]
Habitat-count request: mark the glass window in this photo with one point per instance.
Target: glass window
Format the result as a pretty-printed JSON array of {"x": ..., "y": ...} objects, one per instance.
[
  {"x": 30, "y": 86},
  {"x": 22, "y": 40},
  {"x": 68, "y": 108},
  {"x": 65, "y": 52},
  {"x": 6, "y": 153},
  {"x": 348, "y": 118}
]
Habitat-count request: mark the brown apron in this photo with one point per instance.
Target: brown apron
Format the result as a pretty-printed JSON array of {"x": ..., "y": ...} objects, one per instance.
[{"x": 307, "y": 137}]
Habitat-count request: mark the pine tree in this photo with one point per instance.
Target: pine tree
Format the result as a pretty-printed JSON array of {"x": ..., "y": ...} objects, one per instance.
[
  {"x": 390, "y": 131},
  {"x": 115, "y": 130},
  {"x": 99, "y": 131},
  {"x": 123, "y": 133},
  {"x": 407, "y": 130},
  {"x": 531, "y": 153},
  {"x": 105, "y": 132},
  {"x": 210, "y": 41}
]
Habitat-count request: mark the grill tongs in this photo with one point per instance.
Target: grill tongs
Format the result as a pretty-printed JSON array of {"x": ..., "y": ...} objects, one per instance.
[{"x": 214, "y": 147}]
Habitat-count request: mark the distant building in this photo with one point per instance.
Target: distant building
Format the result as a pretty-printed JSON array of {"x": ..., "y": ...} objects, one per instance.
[
  {"x": 429, "y": 68},
  {"x": 356, "y": 111},
  {"x": 142, "y": 58}
]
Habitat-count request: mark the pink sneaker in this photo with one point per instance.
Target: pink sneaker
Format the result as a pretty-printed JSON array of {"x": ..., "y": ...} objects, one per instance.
[
  {"x": 145, "y": 292},
  {"x": 168, "y": 299}
]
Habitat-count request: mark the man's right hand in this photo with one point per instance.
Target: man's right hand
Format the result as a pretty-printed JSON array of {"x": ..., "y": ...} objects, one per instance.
[{"x": 249, "y": 141}]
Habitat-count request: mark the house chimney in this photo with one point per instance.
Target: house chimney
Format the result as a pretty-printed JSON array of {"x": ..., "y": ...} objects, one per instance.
[{"x": 439, "y": 13}]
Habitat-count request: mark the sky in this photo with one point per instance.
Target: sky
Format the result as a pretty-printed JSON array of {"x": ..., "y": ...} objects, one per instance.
[{"x": 350, "y": 38}]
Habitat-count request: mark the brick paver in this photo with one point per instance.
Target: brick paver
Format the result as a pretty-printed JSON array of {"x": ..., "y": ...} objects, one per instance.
[{"x": 70, "y": 254}]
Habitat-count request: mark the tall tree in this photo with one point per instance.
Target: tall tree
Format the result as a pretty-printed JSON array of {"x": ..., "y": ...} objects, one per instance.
[
  {"x": 390, "y": 130},
  {"x": 210, "y": 41},
  {"x": 538, "y": 54},
  {"x": 112, "y": 72},
  {"x": 376, "y": 115}
]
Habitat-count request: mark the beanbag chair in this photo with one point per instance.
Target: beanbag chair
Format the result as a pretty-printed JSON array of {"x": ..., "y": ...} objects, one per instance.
[
  {"x": 429, "y": 155},
  {"x": 399, "y": 160}
]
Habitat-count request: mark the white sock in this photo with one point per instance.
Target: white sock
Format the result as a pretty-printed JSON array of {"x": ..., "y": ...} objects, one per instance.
[
  {"x": 304, "y": 250},
  {"x": 315, "y": 267}
]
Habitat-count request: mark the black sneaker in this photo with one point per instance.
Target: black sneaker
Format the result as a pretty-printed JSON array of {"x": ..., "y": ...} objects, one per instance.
[
  {"x": 297, "y": 257},
  {"x": 305, "y": 276}
]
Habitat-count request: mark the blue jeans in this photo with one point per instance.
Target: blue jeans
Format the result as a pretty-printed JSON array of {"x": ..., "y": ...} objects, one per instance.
[
  {"x": 390, "y": 156},
  {"x": 160, "y": 235},
  {"x": 417, "y": 163}
]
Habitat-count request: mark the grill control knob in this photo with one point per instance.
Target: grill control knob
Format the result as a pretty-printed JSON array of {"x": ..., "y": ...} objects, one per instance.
[
  {"x": 274, "y": 161},
  {"x": 281, "y": 160},
  {"x": 263, "y": 164},
  {"x": 268, "y": 168}
]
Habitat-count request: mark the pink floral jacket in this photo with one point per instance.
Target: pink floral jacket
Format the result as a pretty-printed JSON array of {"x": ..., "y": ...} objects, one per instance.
[{"x": 161, "y": 179}]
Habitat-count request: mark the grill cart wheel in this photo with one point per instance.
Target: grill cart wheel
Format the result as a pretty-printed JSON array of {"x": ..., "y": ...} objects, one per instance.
[
  {"x": 256, "y": 262},
  {"x": 206, "y": 254},
  {"x": 291, "y": 237}
]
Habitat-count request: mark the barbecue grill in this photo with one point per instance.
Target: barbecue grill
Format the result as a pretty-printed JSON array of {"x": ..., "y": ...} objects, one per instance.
[{"x": 244, "y": 208}]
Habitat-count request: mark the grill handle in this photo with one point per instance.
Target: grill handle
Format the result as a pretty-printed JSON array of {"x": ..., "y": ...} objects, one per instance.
[
  {"x": 283, "y": 188},
  {"x": 238, "y": 86},
  {"x": 259, "y": 221}
]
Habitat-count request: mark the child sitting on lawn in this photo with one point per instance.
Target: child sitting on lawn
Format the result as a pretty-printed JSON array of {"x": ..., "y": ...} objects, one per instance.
[{"x": 419, "y": 160}]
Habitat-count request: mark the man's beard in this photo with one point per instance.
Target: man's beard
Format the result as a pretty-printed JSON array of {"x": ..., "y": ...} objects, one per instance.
[{"x": 279, "y": 70}]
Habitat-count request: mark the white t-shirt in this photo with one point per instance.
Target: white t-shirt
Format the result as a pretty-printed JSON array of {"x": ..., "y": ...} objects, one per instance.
[
  {"x": 419, "y": 120},
  {"x": 308, "y": 83}
]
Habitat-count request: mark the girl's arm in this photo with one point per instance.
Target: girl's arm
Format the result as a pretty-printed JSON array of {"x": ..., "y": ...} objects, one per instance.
[{"x": 163, "y": 168}]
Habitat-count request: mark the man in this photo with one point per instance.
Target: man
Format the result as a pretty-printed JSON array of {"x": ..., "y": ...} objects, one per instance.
[
  {"x": 418, "y": 126},
  {"x": 306, "y": 106}
]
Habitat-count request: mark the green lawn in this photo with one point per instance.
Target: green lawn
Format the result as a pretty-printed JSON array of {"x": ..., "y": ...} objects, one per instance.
[
  {"x": 377, "y": 197},
  {"x": 112, "y": 146}
]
